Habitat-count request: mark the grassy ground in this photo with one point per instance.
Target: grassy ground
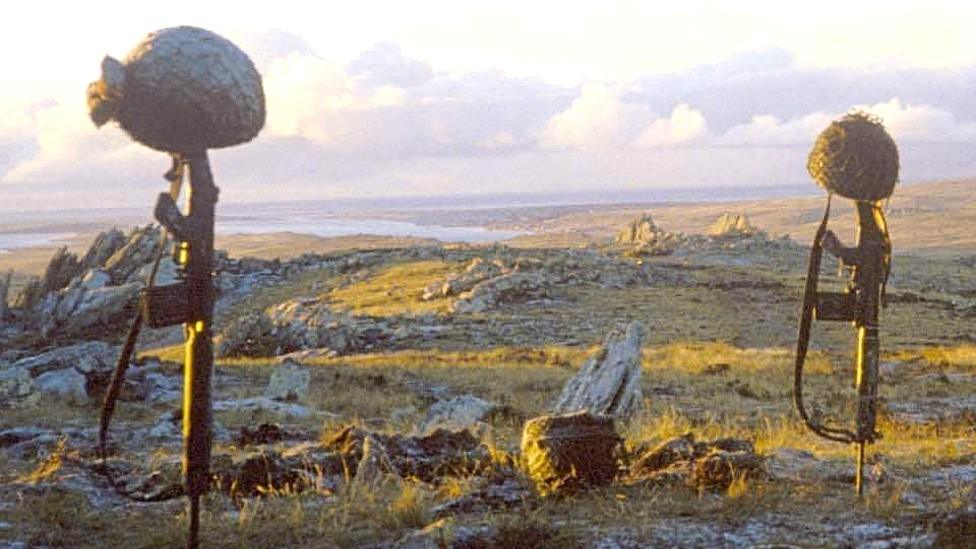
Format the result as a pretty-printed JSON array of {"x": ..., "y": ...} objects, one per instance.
[{"x": 709, "y": 389}]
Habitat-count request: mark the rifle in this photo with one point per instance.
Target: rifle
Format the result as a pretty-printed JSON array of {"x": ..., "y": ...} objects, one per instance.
[{"x": 869, "y": 263}]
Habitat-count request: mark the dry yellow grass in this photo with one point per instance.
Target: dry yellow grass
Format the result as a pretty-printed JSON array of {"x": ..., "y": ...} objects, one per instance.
[{"x": 395, "y": 290}]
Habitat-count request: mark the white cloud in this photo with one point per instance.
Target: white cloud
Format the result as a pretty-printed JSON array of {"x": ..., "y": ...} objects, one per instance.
[
  {"x": 766, "y": 130},
  {"x": 598, "y": 119},
  {"x": 921, "y": 123},
  {"x": 685, "y": 126},
  {"x": 907, "y": 123}
]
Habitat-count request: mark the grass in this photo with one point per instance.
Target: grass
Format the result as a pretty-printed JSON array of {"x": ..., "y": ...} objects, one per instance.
[{"x": 395, "y": 290}]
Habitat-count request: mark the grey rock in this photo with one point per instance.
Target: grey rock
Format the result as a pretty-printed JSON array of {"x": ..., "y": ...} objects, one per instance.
[
  {"x": 102, "y": 248},
  {"x": 312, "y": 324},
  {"x": 289, "y": 382},
  {"x": 268, "y": 405},
  {"x": 140, "y": 249},
  {"x": 462, "y": 412},
  {"x": 167, "y": 426},
  {"x": 608, "y": 383},
  {"x": 478, "y": 270},
  {"x": 168, "y": 272},
  {"x": 88, "y": 357},
  {"x": 507, "y": 288},
  {"x": 732, "y": 225},
  {"x": 95, "y": 279},
  {"x": 644, "y": 237},
  {"x": 67, "y": 385},
  {"x": 16, "y": 387}
]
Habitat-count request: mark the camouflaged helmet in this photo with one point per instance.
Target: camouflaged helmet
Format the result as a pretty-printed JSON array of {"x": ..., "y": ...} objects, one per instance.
[
  {"x": 855, "y": 158},
  {"x": 181, "y": 89}
]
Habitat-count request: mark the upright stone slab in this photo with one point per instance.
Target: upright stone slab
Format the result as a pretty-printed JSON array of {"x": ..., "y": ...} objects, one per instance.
[{"x": 609, "y": 383}]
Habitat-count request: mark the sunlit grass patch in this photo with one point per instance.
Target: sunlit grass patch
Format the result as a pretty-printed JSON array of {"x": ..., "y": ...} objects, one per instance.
[
  {"x": 395, "y": 290},
  {"x": 719, "y": 357},
  {"x": 959, "y": 357}
]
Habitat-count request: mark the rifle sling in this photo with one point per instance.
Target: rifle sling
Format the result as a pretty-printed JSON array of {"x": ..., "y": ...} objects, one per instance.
[{"x": 803, "y": 336}]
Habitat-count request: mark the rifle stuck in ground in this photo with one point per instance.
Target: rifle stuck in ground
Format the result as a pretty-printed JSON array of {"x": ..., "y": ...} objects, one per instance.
[
  {"x": 855, "y": 158},
  {"x": 162, "y": 95}
]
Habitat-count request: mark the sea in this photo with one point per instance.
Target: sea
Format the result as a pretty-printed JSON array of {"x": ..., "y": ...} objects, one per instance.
[{"x": 360, "y": 216}]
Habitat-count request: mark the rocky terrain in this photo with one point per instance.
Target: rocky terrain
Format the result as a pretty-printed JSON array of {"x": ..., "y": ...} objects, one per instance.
[{"x": 629, "y": 393}]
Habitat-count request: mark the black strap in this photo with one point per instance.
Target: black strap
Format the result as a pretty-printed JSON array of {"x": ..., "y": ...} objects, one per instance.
[
  {"x": 803, "y": 337},
  {"x": 175, "y": 176}
]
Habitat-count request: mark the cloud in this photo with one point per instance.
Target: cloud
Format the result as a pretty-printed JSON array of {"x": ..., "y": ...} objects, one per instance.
[
  {"x": 598, "y": 119},
  {"x": 685, "y": 126},
  {"x": 907, "y": 123},
  {"x": 385, "y": 64},
  {"x": 388, "y": 121}
]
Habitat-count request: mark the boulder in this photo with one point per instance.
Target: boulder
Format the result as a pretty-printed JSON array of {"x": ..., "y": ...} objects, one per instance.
[
  {"x": 609, "y": 382},
  {"x": 67, "y": 385},
  {"x": 93, "y": 357},
  {"x": 16, "y": 387},
  {"x": 265, "y": 404},
  {"x": 563, "y": 453},
  {"x": 733, "y": 225},
  {"x": 289, "y": 382},
  {"x": 462, "y": 412},
  {"x": 644, "y": 237}
]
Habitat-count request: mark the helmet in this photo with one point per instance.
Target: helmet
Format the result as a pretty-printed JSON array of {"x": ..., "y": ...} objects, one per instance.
[
  {"x": 181, "y": 89},
  {"x": 855, "y": 158}
]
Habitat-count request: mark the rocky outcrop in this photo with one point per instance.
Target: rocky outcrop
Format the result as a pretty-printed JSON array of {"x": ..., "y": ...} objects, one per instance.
[
  {"x": 478, "y": 270},
  {"x": 643, "y": 237},
  {"x": 88, "y": 307},
  {"x": 507, "y": 288},
  {"x": 733, "y": 225},
  {"x": 71, "y": 374},
  {"x": 139, "y": 250},
  {"x": 103, "y": 247},
  {"x": 250, "y": 335},
  {"x": 63, "y": 267},
  {"x": 609, "y": 382}
]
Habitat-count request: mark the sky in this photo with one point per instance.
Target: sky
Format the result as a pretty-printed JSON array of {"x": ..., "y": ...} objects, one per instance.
[{"x": 379, "y": 99}]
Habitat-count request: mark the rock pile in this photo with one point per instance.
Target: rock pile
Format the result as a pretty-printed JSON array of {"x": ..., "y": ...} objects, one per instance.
[
  {"x": 78, "y": 374},
  {"x": 733, "y": 225},
  {"x": 643, "y": 237},
  {"x": 300, "y": 324},
  {"x": 489, "y": 283},
  {"x": 712, "y": 465},
  {"x": 478, "y": 270},
  {"x": 83, "y": 297}
]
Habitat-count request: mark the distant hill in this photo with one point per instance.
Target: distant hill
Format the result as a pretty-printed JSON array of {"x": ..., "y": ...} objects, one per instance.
[{"x": 937, "y": 217}]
